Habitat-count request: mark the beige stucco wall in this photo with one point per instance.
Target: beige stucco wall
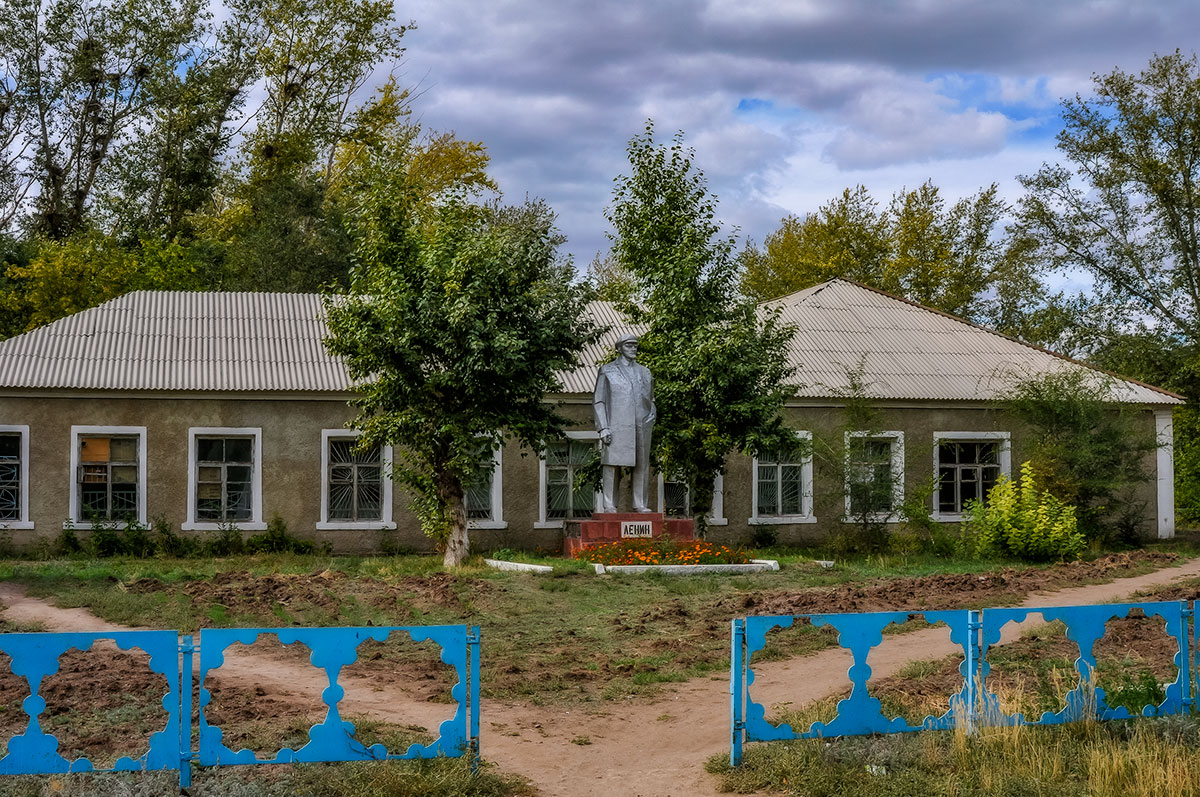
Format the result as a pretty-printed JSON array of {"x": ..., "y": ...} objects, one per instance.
[{"x": 291, "y": 440}]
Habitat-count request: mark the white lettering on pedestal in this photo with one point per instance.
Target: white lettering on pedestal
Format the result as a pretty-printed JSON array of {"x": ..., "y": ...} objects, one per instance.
[{"x": 637, "y": 528}]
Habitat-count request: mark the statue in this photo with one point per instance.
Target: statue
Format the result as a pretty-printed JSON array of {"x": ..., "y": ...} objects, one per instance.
[{"x": 624, "y": 411}]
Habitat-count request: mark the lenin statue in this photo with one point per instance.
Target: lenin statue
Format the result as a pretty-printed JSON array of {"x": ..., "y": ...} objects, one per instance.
[{"x": 624, "y": 411}]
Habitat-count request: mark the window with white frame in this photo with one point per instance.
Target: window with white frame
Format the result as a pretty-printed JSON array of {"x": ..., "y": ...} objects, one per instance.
[
  {"x": 675, "y": 500},
  {"x": 355, "y": 489},
  {"x": 483, "y": 494},
  {"x": 108, "y": 467},
  {"x": 14, "y": 477},
  {"x": 783, "y": 491},
  {"x": 967, "y": 464},
  {"x": 562, "y": 497},
  {"x": 224, "y": 478},
  {"x": 874, "y": 474}
]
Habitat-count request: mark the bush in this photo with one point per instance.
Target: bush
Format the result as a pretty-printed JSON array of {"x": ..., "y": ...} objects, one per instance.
[
  {"x": 1021, "y": 520},
  {"x": 168, "y": 543},
  {"x": 276, "y": 539},
  {"x": 225, "y": 541}
]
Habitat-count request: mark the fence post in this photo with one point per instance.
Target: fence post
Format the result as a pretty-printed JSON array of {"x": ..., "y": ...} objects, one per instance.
[
  {"x": 1187, "y": 650},
  {"x": 737, "y": 689},
  {"x": 974, "y": 668},
  {"x": 185, "y": 711},
  {"x": 473, "y": 648}
]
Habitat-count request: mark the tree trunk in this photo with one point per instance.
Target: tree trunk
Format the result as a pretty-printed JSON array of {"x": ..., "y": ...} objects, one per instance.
[
  {"x": 701, "y": 505},
  {"x": 458, "y": 544}
]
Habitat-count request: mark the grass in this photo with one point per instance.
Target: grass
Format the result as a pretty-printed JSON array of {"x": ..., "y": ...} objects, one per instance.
[
  {"x": 1139, "y": 758},
  {"x": 568, "y": 636}
]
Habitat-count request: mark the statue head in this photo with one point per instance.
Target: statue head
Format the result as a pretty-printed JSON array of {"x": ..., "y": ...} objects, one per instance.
[{"x": 627, "y": 346}]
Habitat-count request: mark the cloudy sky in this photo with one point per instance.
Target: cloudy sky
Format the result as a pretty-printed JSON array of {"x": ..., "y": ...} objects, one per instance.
[{"x": 785, "y": 102}]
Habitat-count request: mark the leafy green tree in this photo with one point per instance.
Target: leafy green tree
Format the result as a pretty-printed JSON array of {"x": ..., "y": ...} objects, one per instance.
[
  {"x": 1088, "y": 450},
  {"x": 719, "y": 363},
  {"x": 89, "y": 268},
  {"x": 79, "y": 78},
  {"x": 458, "y": 320},
  {"x": 952, "y": 258}
]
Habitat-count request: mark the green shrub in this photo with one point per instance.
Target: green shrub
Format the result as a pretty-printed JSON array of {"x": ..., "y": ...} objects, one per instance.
[
  {"x": 168, "y": 543},
  {"x": 136, "y": 540},
  {"x": 105, "y": 539},
  {"x": 277, "y": 539},
  {"x": 1021, "y": 520},
  {"x": 225, "y": 541}
]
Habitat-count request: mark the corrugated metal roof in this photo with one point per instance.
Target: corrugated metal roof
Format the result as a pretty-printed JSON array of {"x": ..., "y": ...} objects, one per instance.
[
  {"x": 185, "y": 341},
  {"x": 907, "y": 351}
]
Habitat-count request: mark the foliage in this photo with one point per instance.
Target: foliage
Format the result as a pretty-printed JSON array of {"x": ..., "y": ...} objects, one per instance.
[
  {"x": 458, "y": 321},
  {"x": 1019, "y": 519},
  {"x": 1088, "y": 449},
  {"x": 80, "y": 79},
  {"x": 1124, "y": 208},
  {"x": 662, "y": 551},
  {"x": 950, "y": 258},
  {"x": 719, "y": 365},
  {"x": 277, "y": 539},
  {"x": 90, "y": 268}
]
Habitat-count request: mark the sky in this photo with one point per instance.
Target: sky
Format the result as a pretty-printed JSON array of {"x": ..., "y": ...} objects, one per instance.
[{"x": 786, "y": 103}]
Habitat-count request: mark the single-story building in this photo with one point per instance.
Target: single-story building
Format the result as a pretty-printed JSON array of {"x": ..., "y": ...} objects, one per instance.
[{"x": 224, "y": 408}]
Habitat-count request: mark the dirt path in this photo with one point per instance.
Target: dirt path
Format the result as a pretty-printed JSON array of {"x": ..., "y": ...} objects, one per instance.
[{"x": 632, "y": 748}]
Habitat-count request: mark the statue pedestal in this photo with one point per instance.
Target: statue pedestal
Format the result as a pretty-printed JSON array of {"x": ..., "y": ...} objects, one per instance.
[{"x": 605, "y": 527}]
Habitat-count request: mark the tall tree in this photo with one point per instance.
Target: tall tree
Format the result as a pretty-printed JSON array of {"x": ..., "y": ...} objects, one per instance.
[
  {"x": 719, "y": 364},
  {"x": 79, "y": 77},
  {"x": 1125, "y": 207},
  {"x": 458, "y": 321}
]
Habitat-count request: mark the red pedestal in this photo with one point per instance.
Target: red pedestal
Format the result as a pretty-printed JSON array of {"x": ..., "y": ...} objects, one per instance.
[{"x": 605, "y": 527}]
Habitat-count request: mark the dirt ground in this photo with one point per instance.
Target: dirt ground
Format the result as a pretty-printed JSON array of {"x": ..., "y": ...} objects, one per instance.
[{"x": 632, "y": 747}]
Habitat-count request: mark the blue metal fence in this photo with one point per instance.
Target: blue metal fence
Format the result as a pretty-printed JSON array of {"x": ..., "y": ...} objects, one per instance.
[
  {"x": 973, "y": 704},
  {"x": 36, "y": 656}
]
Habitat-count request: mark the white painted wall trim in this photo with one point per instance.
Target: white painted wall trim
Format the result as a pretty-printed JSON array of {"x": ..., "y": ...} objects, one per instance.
[
  {"x": 557, "y": 523},
  {"x": 256, "y": 512},
  {"x": 22, "y": 523},
  {"x": 1004, "y": 458},
  {"x": 806, "y": 495},
  {"x": 80, "y": 431},
  {"x": 385, "y": 497},
  {"x": 1165, "y": 432}
]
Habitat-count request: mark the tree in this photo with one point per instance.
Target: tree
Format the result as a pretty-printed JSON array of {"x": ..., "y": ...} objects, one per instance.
[
  {"x": 79, "y": 77},
  {"x": 1125, "y": 208},
  {"x": 455, "y": 327},
  {"x": 719, "y": 364},
  {"x": 950, "y": 258},
  {"x": 88, "y": 269}
]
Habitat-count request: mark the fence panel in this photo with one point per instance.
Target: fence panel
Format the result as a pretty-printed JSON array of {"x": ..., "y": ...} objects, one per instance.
[
  {"x": 1085, "y": 626},
  {"x": 976, "y": 632},
  {"x": 332, "y": 649},
  {"x": 35, "y": 657},
  {"x": 859, "y": 713}
]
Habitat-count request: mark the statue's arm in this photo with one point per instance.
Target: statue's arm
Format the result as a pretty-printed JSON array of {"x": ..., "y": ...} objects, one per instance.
[
  {"x": 600, "y": 408},
  {"x": 653, "y": 407}
]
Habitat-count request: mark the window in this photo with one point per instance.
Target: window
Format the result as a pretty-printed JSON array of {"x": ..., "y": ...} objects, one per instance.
[
  {"x": 484, "y": 494},
  {"x": 874, "y": 475},
  {"x": 968, "y": 464},
  {"x": 561, "y": 498},
  {"x": 224, "y": 467},
  {"x": 674, "y": 500},
  {"x": 108, "y": 466},
  {"x": 14, "y": 477},
  {"x": 783, "y": 488},
  {"x": 225, "y": 478},
  {"x": 356, "y": 491}
]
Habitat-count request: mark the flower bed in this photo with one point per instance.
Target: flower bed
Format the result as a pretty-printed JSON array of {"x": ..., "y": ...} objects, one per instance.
[{"x": 662, "y": 551}]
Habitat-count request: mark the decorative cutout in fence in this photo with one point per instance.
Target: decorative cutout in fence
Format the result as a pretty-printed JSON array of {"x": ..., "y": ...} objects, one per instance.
[
  {"x": 36, "y": 657},
  {"x": 975, "y": 633}
]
